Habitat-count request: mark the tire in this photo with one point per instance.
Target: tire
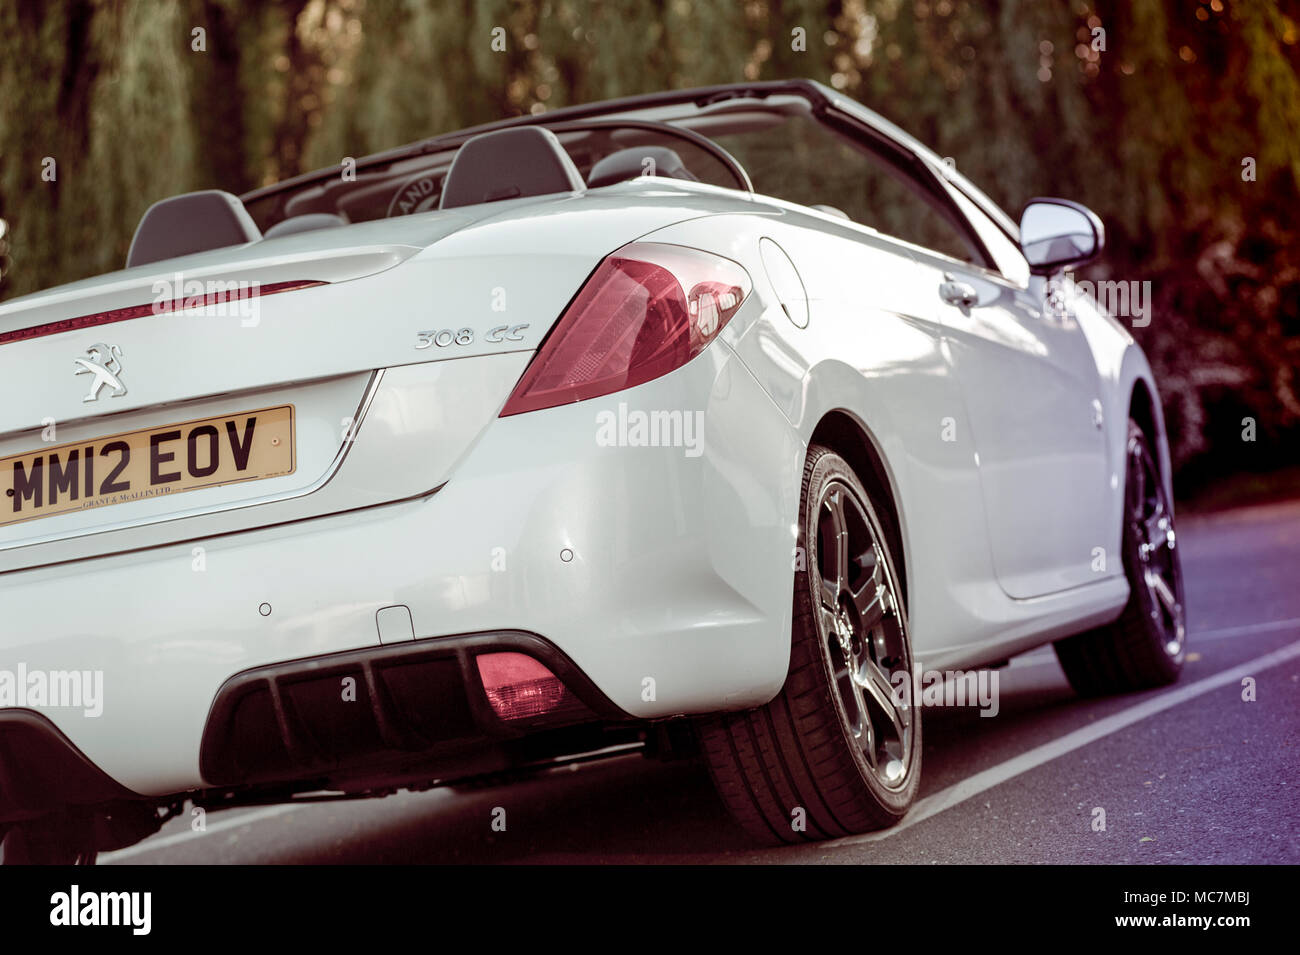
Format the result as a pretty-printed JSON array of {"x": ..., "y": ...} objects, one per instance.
[
  {"x": 828, "y": 756},
  {"x": 1146, "y": 645},
  {"x": 52, "y": 840}
]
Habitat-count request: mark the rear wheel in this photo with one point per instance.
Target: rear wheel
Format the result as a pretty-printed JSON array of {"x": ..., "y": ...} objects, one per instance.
[
  {"x": 838, "y": 751},
  {"x": 1145, "y": 646},
  {"x": 64, "y": 839}
]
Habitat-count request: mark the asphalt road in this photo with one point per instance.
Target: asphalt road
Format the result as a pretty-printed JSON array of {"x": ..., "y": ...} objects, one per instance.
[{"x": 1190, "y": 773}]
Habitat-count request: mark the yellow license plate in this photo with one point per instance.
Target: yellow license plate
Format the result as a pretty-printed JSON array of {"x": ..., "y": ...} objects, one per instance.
[{"x": 153, "y": 462}]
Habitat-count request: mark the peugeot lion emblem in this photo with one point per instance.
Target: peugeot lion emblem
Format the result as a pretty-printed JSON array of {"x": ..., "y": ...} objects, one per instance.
[{"x": 104, "y": 362}]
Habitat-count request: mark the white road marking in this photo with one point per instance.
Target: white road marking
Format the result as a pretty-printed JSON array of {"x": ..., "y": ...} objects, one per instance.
[
  {"x": 1043, "y": 656},
  {"x": 181, "y": 837},
  {"x": 959, "y": 792},
  {"x": 1266, "y": 627},
  {"x": 944, "y": 799}
]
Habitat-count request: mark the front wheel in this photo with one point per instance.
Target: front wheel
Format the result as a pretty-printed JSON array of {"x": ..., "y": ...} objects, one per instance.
[
  {"x": 838, "y": 751},
  {"x": 1146, "y": 645}
]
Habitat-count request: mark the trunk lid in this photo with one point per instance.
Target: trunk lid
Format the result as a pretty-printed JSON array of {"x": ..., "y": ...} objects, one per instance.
[{"x": 123, "y": 430}]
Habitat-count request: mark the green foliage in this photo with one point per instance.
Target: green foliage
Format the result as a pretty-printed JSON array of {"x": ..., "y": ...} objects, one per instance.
[{"x": 1147, "y": 121}]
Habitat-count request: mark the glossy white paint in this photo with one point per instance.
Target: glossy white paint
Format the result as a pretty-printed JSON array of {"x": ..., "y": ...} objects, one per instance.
[
  {"x": 680, "y": 573},
  {"x": 875, "y": 348},
  {"x": 682, "y": 562}
]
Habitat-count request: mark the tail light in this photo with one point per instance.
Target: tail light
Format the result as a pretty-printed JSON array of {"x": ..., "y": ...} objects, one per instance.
[
  {"x": 520, "y": 687},
  {"x": 647, "y": 310},
  {"x": 199, "y": 300}
]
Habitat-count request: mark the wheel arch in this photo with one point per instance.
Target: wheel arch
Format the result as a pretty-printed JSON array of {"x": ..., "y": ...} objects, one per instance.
[
  {"x": 843, "y": 433},
  {"x": 1144, "y": 408},
  {"x": 1141, "y": 408}
]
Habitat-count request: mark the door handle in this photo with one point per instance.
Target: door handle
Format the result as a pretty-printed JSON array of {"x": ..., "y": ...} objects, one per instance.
[{"x": 961, "y": 294}]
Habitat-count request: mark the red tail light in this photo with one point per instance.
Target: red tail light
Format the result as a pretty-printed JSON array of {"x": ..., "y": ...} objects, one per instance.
[
  {"x": 162, "y": 307},
  {"x": 520, "y": 687},
  {"x": 647, "y": 309}
]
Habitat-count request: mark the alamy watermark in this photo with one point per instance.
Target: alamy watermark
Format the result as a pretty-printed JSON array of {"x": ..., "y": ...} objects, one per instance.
[
  {"x": 975, "y": 688},
  {"x": 210, "y": 298},
  {"x": 133, "y": 910},
  {"x": 1128, "y": 299},
  {"x": 651, "y": 429},
  {"x": 53, "y": 689}
]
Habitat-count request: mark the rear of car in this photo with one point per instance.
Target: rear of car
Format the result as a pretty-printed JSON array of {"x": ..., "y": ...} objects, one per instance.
[{"x": 314, "y": 513}]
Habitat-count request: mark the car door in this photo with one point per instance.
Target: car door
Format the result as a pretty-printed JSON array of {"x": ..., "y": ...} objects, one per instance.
[
  {"x": 1032, "y": 394},
  {"x": 1027, "y": 379},
  {"x": 1027, "y": 385}
]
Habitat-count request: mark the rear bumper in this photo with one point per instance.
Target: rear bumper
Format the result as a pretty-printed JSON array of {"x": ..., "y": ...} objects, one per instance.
[
  {"x": 662, "y": 576},
  {"x": 40, "y": 768},
  {"x": 383, "y": 712}
]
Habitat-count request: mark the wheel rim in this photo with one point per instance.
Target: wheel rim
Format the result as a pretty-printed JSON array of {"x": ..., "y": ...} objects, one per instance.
[
  {"x": 1158, "y": 570},
  {"x": 864, "y": 634}
]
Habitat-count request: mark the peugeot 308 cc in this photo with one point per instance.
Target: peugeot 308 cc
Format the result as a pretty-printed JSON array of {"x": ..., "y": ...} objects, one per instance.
[{"x": 694, "y": 423}]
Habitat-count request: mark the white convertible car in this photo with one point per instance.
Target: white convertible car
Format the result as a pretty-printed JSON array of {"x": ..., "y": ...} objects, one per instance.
[{"x": 697, "y": 423}]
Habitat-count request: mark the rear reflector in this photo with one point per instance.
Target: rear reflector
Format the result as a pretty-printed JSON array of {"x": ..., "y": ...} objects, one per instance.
[
  {"x": 648, "y": 309},
  {"x": 519, "y": 687},
  {"x": 166, "y": 306}
]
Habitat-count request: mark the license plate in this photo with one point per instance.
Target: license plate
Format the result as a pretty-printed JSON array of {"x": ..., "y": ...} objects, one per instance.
[{"x": 152, "y": 462}]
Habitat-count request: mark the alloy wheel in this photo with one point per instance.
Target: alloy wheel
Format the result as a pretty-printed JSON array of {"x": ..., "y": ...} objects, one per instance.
[
  {"x": 1158, "y": 570},
  {"x": 864, "y": 634}
]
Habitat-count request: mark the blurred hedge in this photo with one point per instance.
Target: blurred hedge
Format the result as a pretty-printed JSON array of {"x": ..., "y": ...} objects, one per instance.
[{"x": 1148, "y": 121}]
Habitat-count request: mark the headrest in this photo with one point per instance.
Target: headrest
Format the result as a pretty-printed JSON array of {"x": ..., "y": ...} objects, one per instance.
[
  {"x": 307, "y": 222},
  {"x": 638, "y": 161},
  {"x": 192, "y": 222},
  {"x": 506, "y": 164}
]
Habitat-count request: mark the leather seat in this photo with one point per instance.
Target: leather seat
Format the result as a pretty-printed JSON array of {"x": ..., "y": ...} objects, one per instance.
[
  {"x": 631, "y": 163},
  {"x": 307, "y": 222},
  {"x": 508, "y": 164},
  {"x": 192, "y": 222}
]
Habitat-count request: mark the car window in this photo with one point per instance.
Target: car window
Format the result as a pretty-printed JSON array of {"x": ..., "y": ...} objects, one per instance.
[
  {"x": 1010, "y": 262},
  {"x": 589, "y": 142},
  {"x": 802, "y": 161}
]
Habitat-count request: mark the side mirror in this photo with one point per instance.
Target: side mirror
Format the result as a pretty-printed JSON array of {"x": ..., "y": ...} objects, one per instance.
[{"x": 1055, "y": 233}]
